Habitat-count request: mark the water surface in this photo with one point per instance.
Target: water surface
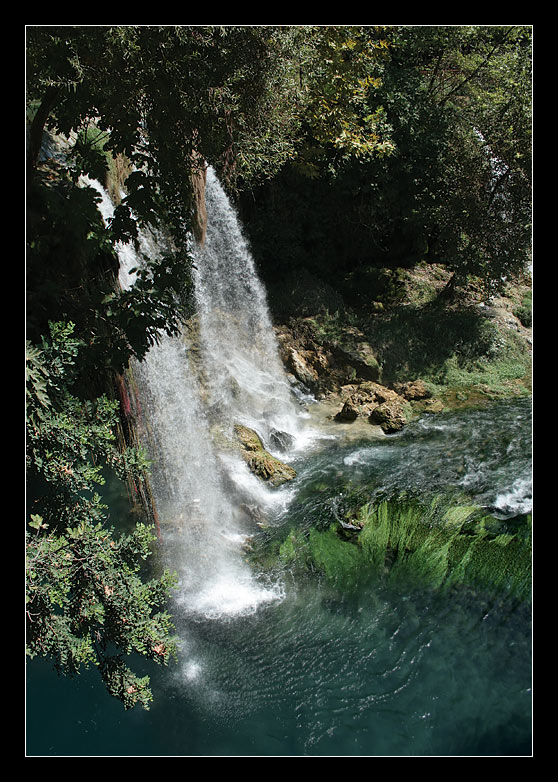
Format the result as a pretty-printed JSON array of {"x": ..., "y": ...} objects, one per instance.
[{"x": 317, "y": 671}]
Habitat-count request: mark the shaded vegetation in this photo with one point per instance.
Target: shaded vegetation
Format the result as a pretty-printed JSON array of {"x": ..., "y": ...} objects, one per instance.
[
  {"x": 88, "y": 600},
  {"x": 454, "y": 189}
]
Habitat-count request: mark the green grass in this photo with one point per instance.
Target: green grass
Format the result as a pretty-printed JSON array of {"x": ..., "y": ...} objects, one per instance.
[{"x": 456, "y": 351}]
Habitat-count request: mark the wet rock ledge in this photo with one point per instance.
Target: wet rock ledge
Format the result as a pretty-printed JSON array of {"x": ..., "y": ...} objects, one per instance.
[
  {"x": 348, "y": 376},
  {"x": 260, "y": 461}
]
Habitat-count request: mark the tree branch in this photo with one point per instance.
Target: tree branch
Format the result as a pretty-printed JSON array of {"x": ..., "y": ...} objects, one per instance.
[{"x": 477, "y": 70}]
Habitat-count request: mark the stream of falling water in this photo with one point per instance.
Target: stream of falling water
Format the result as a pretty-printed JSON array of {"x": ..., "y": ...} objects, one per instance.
[
  {"x": 304, "y": 668},
  {"x": 204, "y": 494}
]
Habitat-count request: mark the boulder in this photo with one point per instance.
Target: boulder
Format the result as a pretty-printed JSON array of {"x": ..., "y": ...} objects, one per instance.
[
  {"x": 390, "y": 415},
  {"x": 283, "y": 441},
  {"x": 324, "y": 365},
  {"x": 299, "y": 364},
  {"x": 260, "y": 461},
  {"x": 361, "y": 402},
  {"x": 359, "y": 355},
  {"x": 382, "y": 406},
  {"x": 413, "y": 390}
]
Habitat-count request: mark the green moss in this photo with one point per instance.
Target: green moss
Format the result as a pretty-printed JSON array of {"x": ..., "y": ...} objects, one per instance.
[
  {"x": 338, "y": 559},
  {"x": 260, "y": 461},
  {"x": 437, "y": 546},
  {"x": 525, "y": 310}
]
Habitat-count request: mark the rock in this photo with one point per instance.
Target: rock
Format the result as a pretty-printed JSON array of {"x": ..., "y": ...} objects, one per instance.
[
  {"x": 412, "y": 390},
  {"x": 297, "y": 364},
  {"x": 260, "y": 461},
  {"x": 390, "y": 415},
  {"x": 324, "y": 365},
  {"x": 349, "y": 411},
  {"x": 281, "y": 440},
  {"x": 358, "y": 355},
  {"x": 382, "y": 406},
  {"x": 361, "y": 402},
  {"x": 434, "y": 406}
]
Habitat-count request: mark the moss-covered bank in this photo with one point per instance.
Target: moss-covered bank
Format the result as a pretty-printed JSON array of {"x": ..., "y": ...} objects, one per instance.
[{"x": 468, "y": 349}]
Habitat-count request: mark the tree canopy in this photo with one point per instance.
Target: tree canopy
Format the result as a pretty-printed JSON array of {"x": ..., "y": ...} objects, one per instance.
[{"x": 450, "y": 181}]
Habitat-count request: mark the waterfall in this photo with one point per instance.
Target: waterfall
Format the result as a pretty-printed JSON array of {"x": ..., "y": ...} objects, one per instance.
[
  {"x": 246, "y": 381},
  {"x": 202, "y": 491}
]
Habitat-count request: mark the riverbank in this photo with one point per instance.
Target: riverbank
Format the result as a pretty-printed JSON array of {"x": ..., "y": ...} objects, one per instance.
[{"x": 412, "y": 351}]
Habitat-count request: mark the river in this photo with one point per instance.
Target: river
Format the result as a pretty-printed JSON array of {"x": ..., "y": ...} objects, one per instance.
[{"x": 315, "y": 671}]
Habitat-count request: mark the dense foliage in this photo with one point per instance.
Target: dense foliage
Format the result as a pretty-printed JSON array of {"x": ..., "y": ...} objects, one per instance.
[
  {"x": 87, "y": 601},
  {"x": 349, "y": 147},
  {"x": 453, "y": 185}
]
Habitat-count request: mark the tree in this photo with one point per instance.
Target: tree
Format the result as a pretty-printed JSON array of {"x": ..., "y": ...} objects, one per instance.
[
  {"x": 449, "y": 179},
  {"x": 166, "y": 99},
  {"x": 474, "y": 198},
  {"x": 87, "y": 601},
  {"x": 340, "y": 68},
  {"x": 87, "y": 605}
]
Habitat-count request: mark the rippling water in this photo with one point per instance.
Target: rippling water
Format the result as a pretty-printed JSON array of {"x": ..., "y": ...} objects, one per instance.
[
  {"x": 485, "y": 453},
  {"x": 317, "y": 674},
  {"x": 317, "y": 671}
]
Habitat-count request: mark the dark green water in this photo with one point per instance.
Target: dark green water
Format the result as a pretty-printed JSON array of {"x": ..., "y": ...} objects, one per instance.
[{"x": 377, "y": 671}]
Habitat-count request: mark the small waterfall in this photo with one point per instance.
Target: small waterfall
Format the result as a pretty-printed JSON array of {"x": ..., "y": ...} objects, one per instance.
[{"x": 202, "y": 492}]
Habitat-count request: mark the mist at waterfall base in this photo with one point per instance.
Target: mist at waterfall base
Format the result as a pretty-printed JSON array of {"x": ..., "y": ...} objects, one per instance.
[{"x": 285, "y": 668}]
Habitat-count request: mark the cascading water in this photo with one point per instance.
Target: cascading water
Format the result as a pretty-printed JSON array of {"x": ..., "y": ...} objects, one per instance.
[
  {"x": 246, "y": 381},
  {"x": 202, "y": 526}
]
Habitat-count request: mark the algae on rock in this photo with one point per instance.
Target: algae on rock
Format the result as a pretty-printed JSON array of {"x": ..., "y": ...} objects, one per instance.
[{"x": 260, "y": 461}]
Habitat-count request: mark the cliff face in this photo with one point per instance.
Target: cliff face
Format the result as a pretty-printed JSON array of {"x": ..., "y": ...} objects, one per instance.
[{"x": 433, "y": 353}]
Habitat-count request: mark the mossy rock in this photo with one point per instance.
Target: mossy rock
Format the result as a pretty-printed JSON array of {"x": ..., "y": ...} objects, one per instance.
[{"x": 260, "y": 461}]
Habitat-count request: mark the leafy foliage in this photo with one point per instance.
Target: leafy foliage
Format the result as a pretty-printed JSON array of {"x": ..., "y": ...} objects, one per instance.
[
  {"x": 87, "y": 602},
  {"x": 465, "y": 131},
  {"x": 450, "y": 181},
  {"x": 341, "y": 67}
]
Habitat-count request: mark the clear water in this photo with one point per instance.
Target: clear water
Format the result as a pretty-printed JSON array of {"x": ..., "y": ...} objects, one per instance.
[
  {"x": 281, "y": 667},
  {"x": 484, "y": 454},
  {"x": 316, "y": 671},
  {"x": 375, "y": 674}
]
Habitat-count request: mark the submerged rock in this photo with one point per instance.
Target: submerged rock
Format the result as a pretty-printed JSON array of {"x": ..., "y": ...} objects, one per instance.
[{"x": 260, "y": 461}]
